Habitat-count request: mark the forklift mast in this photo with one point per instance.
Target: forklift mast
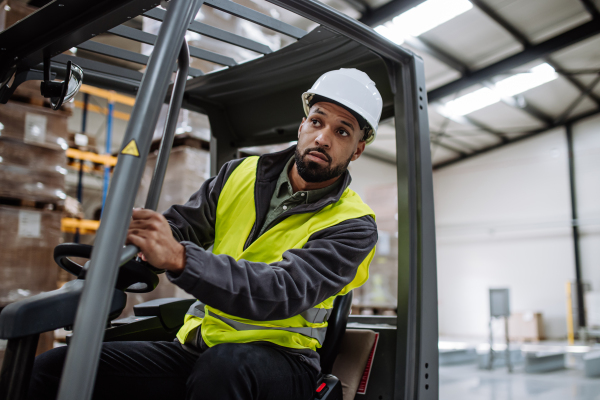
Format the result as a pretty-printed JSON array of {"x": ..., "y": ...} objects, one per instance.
[{"x": 230, "y": 97}]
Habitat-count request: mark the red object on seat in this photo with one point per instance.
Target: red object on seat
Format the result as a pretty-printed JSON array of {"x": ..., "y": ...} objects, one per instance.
[{"x": 321, "y": 387}]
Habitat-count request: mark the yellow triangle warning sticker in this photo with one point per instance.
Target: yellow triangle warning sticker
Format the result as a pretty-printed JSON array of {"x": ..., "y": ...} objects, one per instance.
[{"x": 131, "y": 149}]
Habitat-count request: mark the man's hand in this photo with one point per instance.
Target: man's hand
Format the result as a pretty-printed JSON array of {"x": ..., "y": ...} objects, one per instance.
[{"x": 151, "y": 233}]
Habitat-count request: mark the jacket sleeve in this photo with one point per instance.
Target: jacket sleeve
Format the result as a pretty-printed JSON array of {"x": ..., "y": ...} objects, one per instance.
[
  {"x": 194, "y": 221},
  {"x": 304, "y": 278}
]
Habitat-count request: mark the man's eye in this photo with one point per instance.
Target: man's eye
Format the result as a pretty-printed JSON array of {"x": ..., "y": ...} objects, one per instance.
[
  {"x": 344, "y": 133},
  {"x": 314, "y": 121}
]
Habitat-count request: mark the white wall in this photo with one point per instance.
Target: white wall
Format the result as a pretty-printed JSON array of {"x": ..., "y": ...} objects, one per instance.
[
  {"x": 503, "y": 220},
  {"x": 586, "y": 146}
]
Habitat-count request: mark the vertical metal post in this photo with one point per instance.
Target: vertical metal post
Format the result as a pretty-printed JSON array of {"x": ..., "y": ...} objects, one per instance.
[
  {"x": 491, "y": 357},
  {"x": 86, "y": 99},
  {"x": 508, "y": 363},
  {"x": 166, "y": 143},
  {"x": 575, "y": 229},
  {"x": 109, "y": 123},
  {"x": 417, "y": 330},
  {"x": 78, "y": 378}
]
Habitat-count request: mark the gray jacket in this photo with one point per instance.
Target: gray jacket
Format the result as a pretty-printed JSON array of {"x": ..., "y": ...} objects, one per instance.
[{"x": 260, "y": 291}]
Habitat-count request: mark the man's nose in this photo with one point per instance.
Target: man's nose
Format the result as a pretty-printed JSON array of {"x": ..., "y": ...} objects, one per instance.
[{"x": 324, "y": 137}]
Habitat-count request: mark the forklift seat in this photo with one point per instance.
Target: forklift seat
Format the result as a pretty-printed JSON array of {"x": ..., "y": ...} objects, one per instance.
[{"x": 161, "y": 319}]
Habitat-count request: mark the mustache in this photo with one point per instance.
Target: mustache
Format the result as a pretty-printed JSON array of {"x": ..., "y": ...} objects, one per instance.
[{"x": 320, "y": 150}]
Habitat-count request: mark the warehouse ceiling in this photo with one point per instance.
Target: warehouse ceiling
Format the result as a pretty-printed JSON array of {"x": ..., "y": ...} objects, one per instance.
[{"x": 497, "y": 71}]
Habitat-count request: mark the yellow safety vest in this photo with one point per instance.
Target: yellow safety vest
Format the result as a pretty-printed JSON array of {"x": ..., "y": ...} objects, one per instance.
[{"x": 236, "y": 216}]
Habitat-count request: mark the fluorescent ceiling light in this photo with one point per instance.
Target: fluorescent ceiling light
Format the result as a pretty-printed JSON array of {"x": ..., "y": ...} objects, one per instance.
[
  {"x": 508, "y": 87},
  {"x": 520, "y": 83},
  {"x": 422, "y": 18}
]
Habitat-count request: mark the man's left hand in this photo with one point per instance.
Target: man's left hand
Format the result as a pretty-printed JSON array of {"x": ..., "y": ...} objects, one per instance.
[{"x": 151, "y": 233}]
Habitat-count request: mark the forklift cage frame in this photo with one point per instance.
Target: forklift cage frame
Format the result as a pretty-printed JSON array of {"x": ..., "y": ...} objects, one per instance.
[{"x": 61, "y": 25}]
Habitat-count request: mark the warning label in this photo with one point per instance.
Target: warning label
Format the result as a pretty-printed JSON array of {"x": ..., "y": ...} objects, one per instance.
[{"x": 131, "y": 149}]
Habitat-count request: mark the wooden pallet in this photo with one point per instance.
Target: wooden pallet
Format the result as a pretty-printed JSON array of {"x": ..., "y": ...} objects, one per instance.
[{"x": 50, "y": 205}]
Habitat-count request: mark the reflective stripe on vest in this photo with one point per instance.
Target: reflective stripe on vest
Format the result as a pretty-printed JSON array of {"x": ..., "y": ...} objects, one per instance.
[{"x": 236, "y": 217}]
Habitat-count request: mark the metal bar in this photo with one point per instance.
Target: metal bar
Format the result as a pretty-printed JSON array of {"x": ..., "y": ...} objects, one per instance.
[
  {"x": 521, "y": 38},
  {"x": 258, "y": 18},
  {"x": 166, "y": 142},
  {"x": 575, "y": 228},
  {"x": 388, "y": 11},
  {"x": 490, "y": 12},
  {"x": 108, "y": 145},
  {"x": 79, "y": 371},
  {"x": 61, "y": 26},
  {"x": 448, "y": 147},
  {"x": 97, "y": 66},
  {"x": 428, "y": 48},
  {"x": 131, "y": 56},
  {"x": 563, "y": 117},
  {"x": 111, "y": 51},
  {"x": 17, "y": 366},
  {"x": 349, "y": 27},
  {"x": 148, "y": 38},
  {"x": 534, "y": 52},
  {"x": 86, "y": 99},
  {"x": 215, "y": 33},
  {"x": 590, "y": 7},
  {"x": 518, "y": 139}
]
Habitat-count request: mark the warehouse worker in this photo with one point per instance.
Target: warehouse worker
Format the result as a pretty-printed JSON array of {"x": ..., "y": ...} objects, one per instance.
[{"x": 287, "y": 237}]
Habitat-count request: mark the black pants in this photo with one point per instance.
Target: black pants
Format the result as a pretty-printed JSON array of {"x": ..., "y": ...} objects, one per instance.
[{"x": 163, "y": 371}]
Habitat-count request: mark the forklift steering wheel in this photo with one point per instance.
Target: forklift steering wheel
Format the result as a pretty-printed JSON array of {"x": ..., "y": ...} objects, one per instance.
[{"x": 134, "y": 276}]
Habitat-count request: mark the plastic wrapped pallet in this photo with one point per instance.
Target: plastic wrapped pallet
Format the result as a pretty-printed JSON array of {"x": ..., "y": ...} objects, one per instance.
[
  {"x": 34, "y": 124},
  {"x": 32, "y": 172},
  {"x": 380, "y": 291},
  {"x": 27, "y": 267},
  {"x": 188, "y": 168},
  {"x": 28, "y": 238}
]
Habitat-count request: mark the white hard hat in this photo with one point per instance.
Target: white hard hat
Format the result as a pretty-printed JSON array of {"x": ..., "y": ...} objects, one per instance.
[{"x": 352, "y": 89}]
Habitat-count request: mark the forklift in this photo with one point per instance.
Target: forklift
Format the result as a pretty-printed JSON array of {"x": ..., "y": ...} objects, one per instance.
[{"x": 402, "y": 359}]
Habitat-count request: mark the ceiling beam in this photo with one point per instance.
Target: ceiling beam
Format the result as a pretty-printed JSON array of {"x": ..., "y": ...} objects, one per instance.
[
  {"x": 358, "y": 5},
  {"x": 521, "y": 38},
  {"x": 388, "y": 11},
  {"x": 590, "y": 7},
  {"x": 531, "y": 53},
  {"x": 518, "y": 139}
]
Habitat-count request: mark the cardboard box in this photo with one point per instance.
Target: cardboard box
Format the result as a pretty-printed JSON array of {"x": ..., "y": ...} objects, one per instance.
[
  {"x": 12, "y": 14},
  {"x": 32, "y": 185},
  {"x": 33, "y": 124},
  {"x": 187, "y": 170},
  {"x": 28, "y": 238},
  {"x": 40, "y": 157},
  {"x": 526, "y": 327}
]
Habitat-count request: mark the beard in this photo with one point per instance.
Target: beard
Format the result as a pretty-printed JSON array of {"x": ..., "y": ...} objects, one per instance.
[{"x": 312, "y": 172}]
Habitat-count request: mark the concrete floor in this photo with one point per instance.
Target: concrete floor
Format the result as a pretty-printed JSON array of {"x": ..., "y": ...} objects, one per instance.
[{"x": 467, "y": 382}]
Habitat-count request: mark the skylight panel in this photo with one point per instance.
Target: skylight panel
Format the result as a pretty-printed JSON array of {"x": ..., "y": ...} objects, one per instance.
[
  {"x": 422, "y": 18},
  {"x": 507, "y": 87}
]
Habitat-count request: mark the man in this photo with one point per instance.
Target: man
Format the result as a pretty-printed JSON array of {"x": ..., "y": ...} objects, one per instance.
[{"x": 287, "y": 237}]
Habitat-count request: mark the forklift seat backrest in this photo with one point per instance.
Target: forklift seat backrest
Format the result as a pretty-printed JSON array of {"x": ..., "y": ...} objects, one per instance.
[{"x": 335, "y": 331}]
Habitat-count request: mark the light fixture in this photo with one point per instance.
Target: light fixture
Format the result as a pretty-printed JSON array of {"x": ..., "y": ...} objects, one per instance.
[
  {"x": 507, "y": 87},
  {"x": 422, "y": 18}
]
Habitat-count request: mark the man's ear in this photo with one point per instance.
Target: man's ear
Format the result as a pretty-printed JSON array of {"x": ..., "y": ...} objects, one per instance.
[
  {"x": 300, "y": 127},
  {"x": 359, "y": 149}
]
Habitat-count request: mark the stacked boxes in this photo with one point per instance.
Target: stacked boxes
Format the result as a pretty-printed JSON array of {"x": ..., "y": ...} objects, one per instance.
[
  {"x": 379, "y": 294},
  {"x": 32, "y": 193}
]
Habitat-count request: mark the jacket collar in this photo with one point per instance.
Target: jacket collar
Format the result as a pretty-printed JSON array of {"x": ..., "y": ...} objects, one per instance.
[{"x": 270, "y": 166}]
